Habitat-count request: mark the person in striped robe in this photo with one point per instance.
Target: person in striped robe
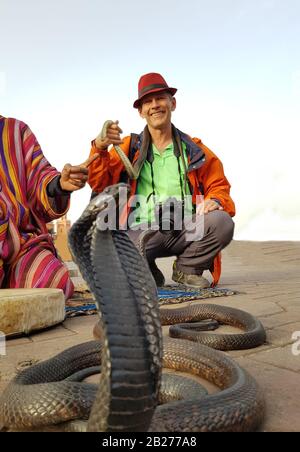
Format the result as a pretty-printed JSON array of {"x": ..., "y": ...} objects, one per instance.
[{"x": 32, "y": 193}]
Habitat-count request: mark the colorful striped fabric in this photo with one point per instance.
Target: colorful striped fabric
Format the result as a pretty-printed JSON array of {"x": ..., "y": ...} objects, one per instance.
[
  {"x": 38, "y": 267},
  {"x": 25, "y": 209}
]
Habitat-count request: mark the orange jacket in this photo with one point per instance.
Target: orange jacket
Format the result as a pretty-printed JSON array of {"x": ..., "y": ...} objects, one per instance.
[{"x": 205, "y": 174}]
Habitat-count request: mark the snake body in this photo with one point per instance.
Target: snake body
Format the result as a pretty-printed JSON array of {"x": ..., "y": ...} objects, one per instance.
[
  {"x": 132, "y": 172},
  {"x": 238, "y": 407},
  {"x": 253, "y": 332},
  {"x": 130, "y": 356}
]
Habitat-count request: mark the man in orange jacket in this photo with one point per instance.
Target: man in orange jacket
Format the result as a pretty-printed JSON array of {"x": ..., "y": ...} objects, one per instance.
[{"x": 170, "y": 166}]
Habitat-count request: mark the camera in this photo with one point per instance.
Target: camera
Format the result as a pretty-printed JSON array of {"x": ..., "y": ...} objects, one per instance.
[{"x": 169, "y": 215}]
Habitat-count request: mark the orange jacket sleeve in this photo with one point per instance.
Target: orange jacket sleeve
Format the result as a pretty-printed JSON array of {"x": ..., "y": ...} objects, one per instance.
[
  {"x": 215, "y": 184},
  {"x": 106, "y": 170}
]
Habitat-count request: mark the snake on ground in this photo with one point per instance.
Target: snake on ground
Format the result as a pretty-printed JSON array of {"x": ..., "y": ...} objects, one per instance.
[{"x": 131, "y": 354}]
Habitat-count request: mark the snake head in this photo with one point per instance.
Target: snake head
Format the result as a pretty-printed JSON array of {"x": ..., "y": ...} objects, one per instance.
[
  {"x": 107, "y": 205},
  {"x": 118, "y": 193}
]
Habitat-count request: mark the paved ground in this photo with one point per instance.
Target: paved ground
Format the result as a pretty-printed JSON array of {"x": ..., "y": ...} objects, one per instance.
[{"x": 266, "y": 275}]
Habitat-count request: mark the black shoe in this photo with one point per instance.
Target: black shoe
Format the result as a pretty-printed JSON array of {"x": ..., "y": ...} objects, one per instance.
[{"x": 157, "y": 274}]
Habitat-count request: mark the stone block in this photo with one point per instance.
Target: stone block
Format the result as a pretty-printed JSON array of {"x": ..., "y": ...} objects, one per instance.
[{"x": 26, "y": 310}]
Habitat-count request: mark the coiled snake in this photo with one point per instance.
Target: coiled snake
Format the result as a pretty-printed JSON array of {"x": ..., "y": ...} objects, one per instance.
[{"x": 131, "y": 354}]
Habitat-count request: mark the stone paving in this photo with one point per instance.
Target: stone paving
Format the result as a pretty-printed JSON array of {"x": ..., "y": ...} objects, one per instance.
[{"x": 266, "y": 277}]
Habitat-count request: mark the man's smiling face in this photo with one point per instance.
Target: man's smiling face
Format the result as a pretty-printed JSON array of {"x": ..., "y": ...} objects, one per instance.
[{"x": 156, "y": 109}]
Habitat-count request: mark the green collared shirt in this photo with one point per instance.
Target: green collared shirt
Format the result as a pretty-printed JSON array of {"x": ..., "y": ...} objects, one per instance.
[{"x": 166, "y": 180}]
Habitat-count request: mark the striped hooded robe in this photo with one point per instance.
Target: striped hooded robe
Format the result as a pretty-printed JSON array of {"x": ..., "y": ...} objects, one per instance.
[{"x": 25, "y": 208}]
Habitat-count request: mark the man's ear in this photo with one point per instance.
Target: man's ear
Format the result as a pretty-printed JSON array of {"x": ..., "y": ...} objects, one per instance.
[{"x": 173, "y": 104}]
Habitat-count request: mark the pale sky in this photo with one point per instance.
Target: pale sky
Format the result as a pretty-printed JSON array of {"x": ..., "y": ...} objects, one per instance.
[{"x": 68, "y": 65}]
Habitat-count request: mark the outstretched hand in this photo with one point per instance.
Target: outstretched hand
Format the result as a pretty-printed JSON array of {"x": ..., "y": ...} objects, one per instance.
[{"x": 75, "y": 177}]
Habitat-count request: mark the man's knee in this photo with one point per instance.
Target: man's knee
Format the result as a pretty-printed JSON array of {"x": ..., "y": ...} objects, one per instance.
[{"x": 224, "y": 227}]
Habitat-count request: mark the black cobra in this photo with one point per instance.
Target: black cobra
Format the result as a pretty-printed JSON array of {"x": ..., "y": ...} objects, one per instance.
[
  {"x": 132, "y": 348},
  {"x": 130, "y": 356},
  {"x": 253, "y": 331}
]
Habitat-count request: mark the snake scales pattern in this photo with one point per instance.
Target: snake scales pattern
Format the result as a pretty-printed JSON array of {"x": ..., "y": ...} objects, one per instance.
[{"x": 131, "y": 355}]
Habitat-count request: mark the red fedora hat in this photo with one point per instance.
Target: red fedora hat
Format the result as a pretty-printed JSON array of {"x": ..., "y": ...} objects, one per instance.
[{"x": 152, "y": 83}]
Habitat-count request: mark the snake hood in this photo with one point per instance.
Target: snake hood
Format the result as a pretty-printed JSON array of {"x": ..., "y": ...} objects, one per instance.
[{"x": 112, "y": 196}]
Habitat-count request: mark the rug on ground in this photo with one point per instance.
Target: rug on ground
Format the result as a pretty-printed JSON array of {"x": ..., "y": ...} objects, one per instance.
[{"x": 83, "y": 303}]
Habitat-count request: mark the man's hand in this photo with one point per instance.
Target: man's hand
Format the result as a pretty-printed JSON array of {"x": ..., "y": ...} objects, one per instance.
[
  {"x": 208, "y": 206},
  {"x": 74, "y": 177},
  {"x": 109, "y": 136}
]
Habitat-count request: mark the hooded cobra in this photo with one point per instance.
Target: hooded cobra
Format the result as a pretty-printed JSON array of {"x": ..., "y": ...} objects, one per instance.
[{"x": 130, "y": 355}]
